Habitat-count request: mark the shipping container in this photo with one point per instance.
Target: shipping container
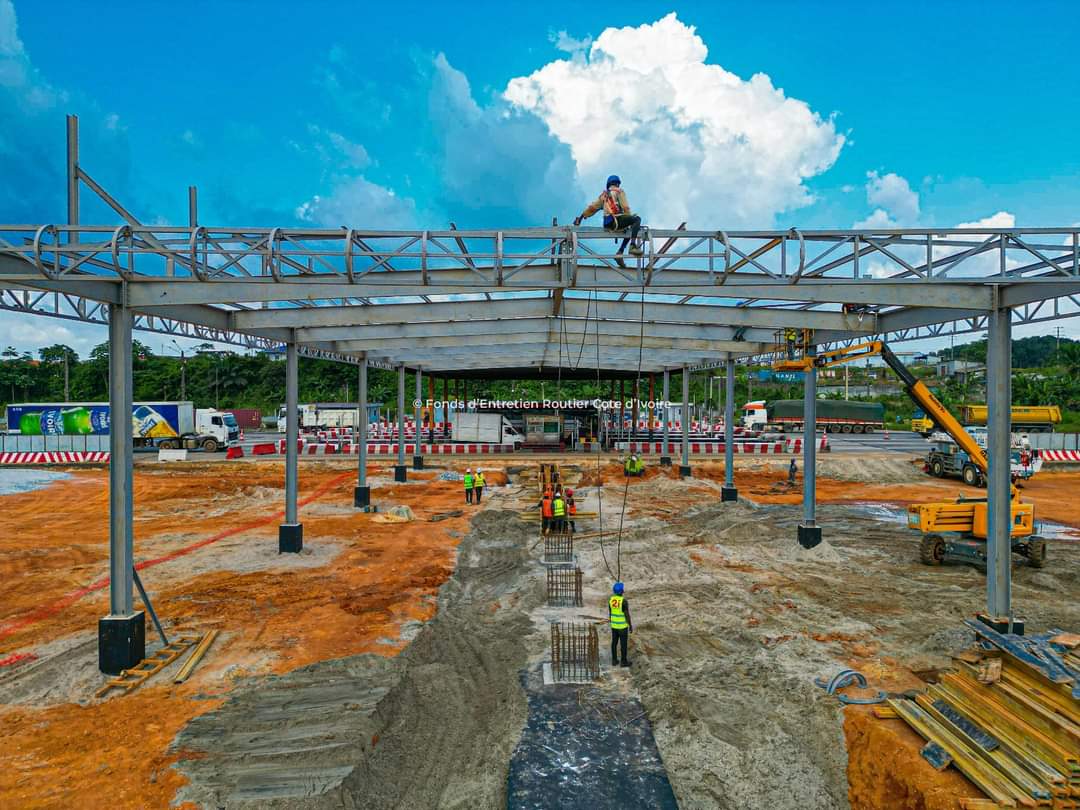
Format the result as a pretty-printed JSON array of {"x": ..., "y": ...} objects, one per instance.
[{"x": 248, "y": 418}]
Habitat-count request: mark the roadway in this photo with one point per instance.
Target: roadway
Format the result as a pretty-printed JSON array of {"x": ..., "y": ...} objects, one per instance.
[{"x": 898, "y": 441}]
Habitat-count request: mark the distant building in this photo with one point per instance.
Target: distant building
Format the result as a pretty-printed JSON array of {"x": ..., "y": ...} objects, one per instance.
[{"x": 960, "y": 368}]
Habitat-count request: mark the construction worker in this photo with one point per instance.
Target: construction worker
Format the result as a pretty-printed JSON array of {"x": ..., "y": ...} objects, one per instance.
[
  {"x": 546, "y": 511},
  {"x": 791, "y": 472},
  {"x": 470, "y": 482},
  {"x": 628, "y": 466},
  {"x": 558, "y": 512},
  {"x": 621, "y": 623},
  {"x": 478, "y": 485},
  {"x": 571, "y": 509},
  {"x": 790, "y": 336},
  {"x": 617, "y": 216}
]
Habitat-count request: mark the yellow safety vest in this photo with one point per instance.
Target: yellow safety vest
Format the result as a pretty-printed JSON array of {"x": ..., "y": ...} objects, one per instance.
[
  {"x": 558, "y": 507},
  {"x": 468, "y": 481},
  {"x": 615, "y": 611},
  {"x": 478, "y": 481}
]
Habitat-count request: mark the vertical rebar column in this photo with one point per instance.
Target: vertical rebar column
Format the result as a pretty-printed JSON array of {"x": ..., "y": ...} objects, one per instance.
[
  {"x": 399, "y": 468},
  {"x": 665, "y": 454},
  {"x": 121, "y": 634},
  {"x": 728, "y": 492},
  {"x": 291, "y": 532},
  {"x": 998, "y": 425},
  {"x": 362, "y": 492},
  {"x": 809, "y": 531},
  {"x": 684, "y": 469},
  {"x": 418, "y": 418}
]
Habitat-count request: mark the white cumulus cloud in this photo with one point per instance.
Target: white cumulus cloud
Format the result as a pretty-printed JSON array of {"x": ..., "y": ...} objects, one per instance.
[
  {"x": 691, "y": 140},
  {"x": 895, "y": 204},
  {"x": 358, "y": 202}
]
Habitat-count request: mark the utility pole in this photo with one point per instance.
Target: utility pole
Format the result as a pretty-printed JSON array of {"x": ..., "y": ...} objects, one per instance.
[
  {"x": 1057, "y": 344},
  {"x": 846, "y": 368},
  {"x": 67, "y": 391}
]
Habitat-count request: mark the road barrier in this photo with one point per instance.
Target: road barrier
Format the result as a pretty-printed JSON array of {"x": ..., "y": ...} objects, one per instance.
[
  {"x": 718, "y": 448},
  {"x": 60, "y": 457}
]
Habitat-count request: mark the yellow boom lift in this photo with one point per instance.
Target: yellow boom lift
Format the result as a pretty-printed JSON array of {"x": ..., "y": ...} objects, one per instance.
[{"x": 954, "y": 528}]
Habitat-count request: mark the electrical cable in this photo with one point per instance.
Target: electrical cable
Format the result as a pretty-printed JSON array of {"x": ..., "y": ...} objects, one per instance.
[
  {"x": 599, "y": 478},
  {"x": 626, "y": 488}
]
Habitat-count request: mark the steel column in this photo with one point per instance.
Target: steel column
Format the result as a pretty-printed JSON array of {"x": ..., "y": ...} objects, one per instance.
[
  {"x": 665, "y": 450},
  {"x": 418, "y": 455},
  {"x": 121, "y": 634},
  {"x": 291, "y": 533},
  {"x": 684, "y": 470},
  {"x": 73, "y": 174},
  {"x": 362, "y": 493},
  {"x": 446, "y": 404},
  {"x": 728, "y": 492},
  {"x": 399, "y": 468},
  {"x": 998, "y": 425},
  {"x": 809, "y": 531}
]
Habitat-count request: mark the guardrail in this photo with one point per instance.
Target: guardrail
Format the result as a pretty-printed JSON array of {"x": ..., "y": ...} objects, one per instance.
[{"x": 18, "y": 443}]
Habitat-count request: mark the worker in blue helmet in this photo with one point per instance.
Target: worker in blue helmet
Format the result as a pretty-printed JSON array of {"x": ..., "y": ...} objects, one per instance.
[
  {"x": 621, "y": 624},
  {"x": 617, "y": 216}
]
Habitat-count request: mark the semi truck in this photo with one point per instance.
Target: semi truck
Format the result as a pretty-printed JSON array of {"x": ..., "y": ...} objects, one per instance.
[
  {"x": 1032, "y": 418},
  {"x": 833, "y": 415},
  {"x": 323, "y": 415},
  {"x": 166, "y": 425},
  {"x": 484, "y": 428}
]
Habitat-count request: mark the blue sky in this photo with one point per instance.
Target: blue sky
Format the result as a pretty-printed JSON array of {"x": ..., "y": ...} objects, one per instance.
[{"x": 801, "y": 114}]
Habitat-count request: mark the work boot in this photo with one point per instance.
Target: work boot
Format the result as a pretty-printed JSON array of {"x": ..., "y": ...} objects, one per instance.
[
  {"x": 614, "y": 662},
  {"x": 635, "y": 250},
  {"x": 626, "y": 663},
  {"x": 619, "y": 260}
]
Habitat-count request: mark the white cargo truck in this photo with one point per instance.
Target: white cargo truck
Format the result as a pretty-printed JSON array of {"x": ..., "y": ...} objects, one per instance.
[{"x": 484, "y": 428}]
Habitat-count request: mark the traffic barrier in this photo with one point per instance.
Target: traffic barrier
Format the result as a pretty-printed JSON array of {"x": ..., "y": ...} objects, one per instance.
[
  {"x": 264, "y": 449},
  {"x": 1068, "y": 456},
  {"x": 384, "y": 449},
  {"x": 718, "y": 448},
  {"x": 60, "y": 457},
  {"x": 235, "y": 452}
]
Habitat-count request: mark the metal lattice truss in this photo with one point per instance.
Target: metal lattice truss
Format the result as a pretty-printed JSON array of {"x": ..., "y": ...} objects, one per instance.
[{"x": 539, "y": 299}]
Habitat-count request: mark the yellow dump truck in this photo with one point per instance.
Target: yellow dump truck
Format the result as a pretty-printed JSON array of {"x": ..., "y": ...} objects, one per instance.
[{"x": 1032, "y": 418}]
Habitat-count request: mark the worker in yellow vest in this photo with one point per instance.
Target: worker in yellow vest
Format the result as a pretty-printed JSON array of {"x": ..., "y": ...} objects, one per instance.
[
  {"x": 470, "y": 482},
  {"x": 558, "y": 512},
  {"x": 621, "y": 624},
  {"x": 478, "y": 485}
]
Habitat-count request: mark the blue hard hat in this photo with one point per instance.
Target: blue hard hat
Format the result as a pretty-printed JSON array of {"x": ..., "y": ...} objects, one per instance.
[
  {"x": 617, "y": 588},
  {"x": 614, "y": 181}
]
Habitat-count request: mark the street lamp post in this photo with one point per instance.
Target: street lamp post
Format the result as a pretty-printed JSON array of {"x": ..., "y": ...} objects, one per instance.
[{"x": 183, "y": 371}]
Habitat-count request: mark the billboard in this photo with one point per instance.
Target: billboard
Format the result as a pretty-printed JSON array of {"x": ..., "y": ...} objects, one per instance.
[{"x": 153, "y": 421}]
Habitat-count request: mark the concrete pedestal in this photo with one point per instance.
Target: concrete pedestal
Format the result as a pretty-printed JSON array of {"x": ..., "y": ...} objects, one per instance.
[
  {"x": 684, "y": 471},
  {"x": 290, "y": 538},
  {"x": 728, "y": 494},
  {"x": 665, "y": 461},
  {"x": 418, "y": 462},
  {"x": 361, "y": 497},
  {"x": 401, "y": 473},
  {"x": 1001, "y": 623},
  {"x": 121, "y": 642},
  {"x": 809, "y": 536}
]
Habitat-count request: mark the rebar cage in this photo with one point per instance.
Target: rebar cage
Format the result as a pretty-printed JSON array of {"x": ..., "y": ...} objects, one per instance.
[
  {"x": 564, "y": 587},
  {"x": 575, "y": 652},
  {"x": 559, "y": 547}
]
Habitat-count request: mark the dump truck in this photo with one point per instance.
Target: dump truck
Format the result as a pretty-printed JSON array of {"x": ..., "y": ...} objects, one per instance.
[
  {"x": 166, "y": 425},
  {"x": 833, "y": 415},
  {"x": 484, "y": 428},
  {"x": 1032, "y": 418}
]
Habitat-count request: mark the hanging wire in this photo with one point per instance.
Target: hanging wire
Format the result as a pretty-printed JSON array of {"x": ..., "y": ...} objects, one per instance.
[
  {"x": 599, "y": 478},
  {"x": 626, "y": 487}
]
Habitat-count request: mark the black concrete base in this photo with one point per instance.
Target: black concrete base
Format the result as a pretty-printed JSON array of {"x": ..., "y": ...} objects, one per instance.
[
  {"x": 290, "y": 538},
  {"x": 684, "y": 471},
  {"x": 809, "y": 536},
  {"x": 1002, "y": 624},
  {"x": 665, "y": 461},
  {"x": 401, "y": 473},
  {"x": 361, "y": 497},
  {"x": 418, "y": 462},
  {"x": 728, "y": 494},
  {"x": 121, "y": 642}
]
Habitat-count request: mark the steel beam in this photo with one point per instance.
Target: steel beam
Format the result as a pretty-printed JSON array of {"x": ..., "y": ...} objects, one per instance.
[
  {"x": 728, "y": 492},
  {"x": 362, "y": 492},
  {"x": 399, "y": 470},
  {"x": 809, "y": 533},
  {"x": 418, "y": 456},
  {"x": 998, "y": 447},
  {"x": 291, "y": 532},
  {"x": 684, "y": 470},
  {"x": 665, "y": 450}
]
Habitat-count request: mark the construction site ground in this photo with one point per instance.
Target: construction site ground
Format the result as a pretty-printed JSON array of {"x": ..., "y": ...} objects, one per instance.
[{"x": 394, "y": 662}]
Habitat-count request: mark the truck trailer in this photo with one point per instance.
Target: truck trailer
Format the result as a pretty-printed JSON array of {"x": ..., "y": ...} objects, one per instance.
[
  {"x": 833, "y": 415},
  {"x": 484, "y": 428},
  {"x": 166, "y": 425},
  {"x": 1030, "y": 418}
]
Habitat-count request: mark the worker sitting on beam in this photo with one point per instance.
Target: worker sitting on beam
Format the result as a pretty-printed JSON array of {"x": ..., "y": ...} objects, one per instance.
[{"x": 617, "y": 216}]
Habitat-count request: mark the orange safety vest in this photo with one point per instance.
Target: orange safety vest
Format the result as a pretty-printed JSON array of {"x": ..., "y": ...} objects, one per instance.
[
  {"x": 545, "y": 506},
  {"x": 571, "y": 505}
]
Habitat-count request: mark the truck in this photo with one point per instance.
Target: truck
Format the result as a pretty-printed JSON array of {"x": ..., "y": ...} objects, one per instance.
[
  {"x": 946, "y": 460},
  {"x": 833, "y": 415},
  {"x": 1032, "y": 418},
  {"x": 166, "y": 425},
  {"x": 484, "y": 428},
  {"x": 323, "y": 415},
  {"x": 250, "y": 418}
]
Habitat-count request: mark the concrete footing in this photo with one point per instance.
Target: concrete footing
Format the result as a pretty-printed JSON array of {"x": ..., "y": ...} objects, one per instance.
[
  {"x": 290, "y": 538},
  {"x": 401, "y": 473},
  {"x": 361, "y": 497},
  {"x": 418, "y": 462},
  {"x": 684, "y": 471},
  {"x": 1001, "y": 623},
  {"x": 809, "y": 536},
  {"x": 665, "y": 461},
  {"x": 121, "y": 642},
  {"x": 728, "y": 494}
]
